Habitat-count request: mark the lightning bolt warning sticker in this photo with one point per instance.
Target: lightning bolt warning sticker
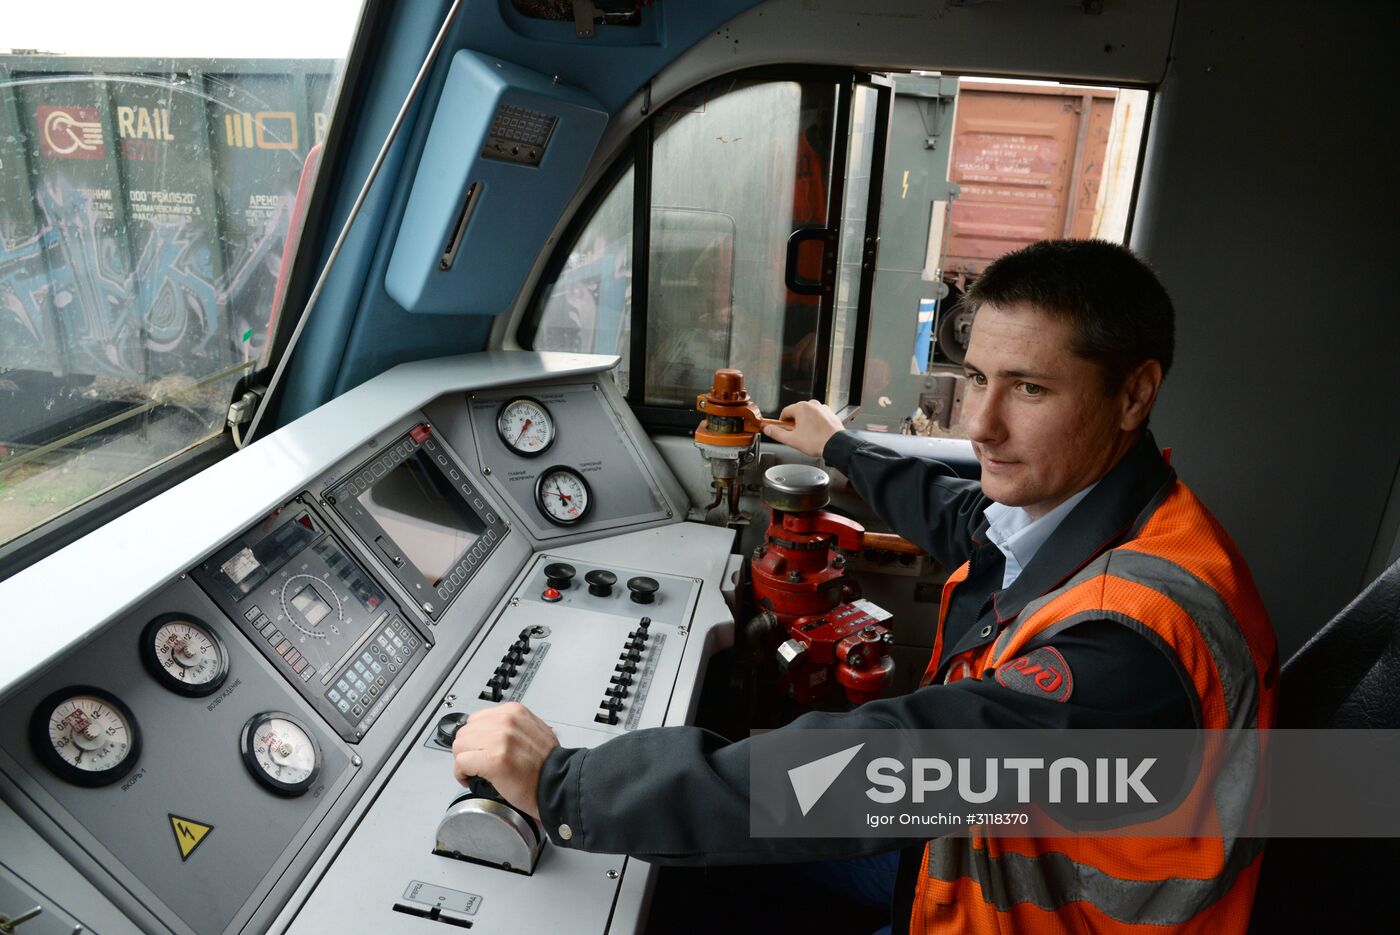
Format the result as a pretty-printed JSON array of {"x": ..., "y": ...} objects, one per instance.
[{"x": 189, "y": 834}]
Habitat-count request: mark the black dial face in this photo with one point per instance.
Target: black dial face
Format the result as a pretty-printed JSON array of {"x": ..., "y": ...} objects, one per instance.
[
  {"x": 184, "y": 654},
  {"x": 280, "y": 752},
  {"x": 526, "y": 426},
  {"x": 85, "y": 735},
  {"x": 563, "y": 496}
]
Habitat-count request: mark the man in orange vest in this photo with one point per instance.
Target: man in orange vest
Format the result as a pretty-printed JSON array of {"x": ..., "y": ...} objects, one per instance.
[{"x": 1079, "y": 553}]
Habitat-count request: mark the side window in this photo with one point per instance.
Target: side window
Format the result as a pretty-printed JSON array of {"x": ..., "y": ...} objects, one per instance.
[
  {"x": 736, "y": 170},
  {"x": 588, "y": 307},
  {"x": 146, "y": 207}
]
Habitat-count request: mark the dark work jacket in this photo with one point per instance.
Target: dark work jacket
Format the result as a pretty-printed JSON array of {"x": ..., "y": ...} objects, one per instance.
[{"x": 680, "y": 795}]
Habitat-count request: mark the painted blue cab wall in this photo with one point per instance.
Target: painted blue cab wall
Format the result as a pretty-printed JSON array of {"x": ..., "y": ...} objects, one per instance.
[{"x": 357, "y": 330}]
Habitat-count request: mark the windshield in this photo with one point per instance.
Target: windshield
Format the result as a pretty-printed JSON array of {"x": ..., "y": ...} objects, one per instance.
[{"x": 154, "y": 165}]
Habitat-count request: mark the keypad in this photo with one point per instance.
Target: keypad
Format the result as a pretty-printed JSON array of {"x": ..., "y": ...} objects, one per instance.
[{"x": 362, "y": 688}]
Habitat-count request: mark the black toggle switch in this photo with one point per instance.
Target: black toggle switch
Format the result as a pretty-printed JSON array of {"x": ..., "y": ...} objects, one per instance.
[
  {"x": 493, "y": 689},
  {"x": 631, "y": 655},
  {"x": 520, "y": 647},
  {"x": 606, "y": 717},
  {"x": 514, "y": 657},
  {"x": 560, "y": 575},
  {"x": 643, "y": 589},
  {"x": 612, "y": 704},
  {"x": 617, "y": 691},
  {"x": 638, "y": 636},
  {"x": 644, "y": 623},
  {"x": 629, "y": 667},
  {"x": 623, "y": 679},
  {"x": 505, "y": 669},
  {"x": 600, "y": 582}
]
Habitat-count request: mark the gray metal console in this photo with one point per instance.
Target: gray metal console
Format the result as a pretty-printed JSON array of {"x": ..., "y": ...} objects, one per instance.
[{"x": 236, "y": 724}]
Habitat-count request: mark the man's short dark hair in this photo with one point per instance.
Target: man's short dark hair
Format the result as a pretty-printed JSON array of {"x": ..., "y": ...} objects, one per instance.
[{"x": 1121, "y": 314}]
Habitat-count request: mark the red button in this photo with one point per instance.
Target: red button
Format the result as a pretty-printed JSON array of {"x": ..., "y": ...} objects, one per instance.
[
  {"x": 419, "y": 433},
  {"x": 551, "y": 595}
]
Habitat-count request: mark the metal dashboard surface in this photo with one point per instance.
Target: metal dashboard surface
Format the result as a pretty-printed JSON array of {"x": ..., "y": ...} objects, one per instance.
[
  {"x": 122, "y": 563},
  {"x": 189, "y": 768},
  {"x": 591, "y": 439}
]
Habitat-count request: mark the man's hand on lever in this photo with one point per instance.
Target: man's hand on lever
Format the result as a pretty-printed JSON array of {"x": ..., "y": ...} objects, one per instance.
[
  {"x": 506, "y": 745},
  {"x": 813, "y": 425}
]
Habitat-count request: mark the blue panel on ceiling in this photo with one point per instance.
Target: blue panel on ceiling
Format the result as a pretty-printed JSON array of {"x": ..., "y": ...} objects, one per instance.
[{"x": 460, "y": 255}]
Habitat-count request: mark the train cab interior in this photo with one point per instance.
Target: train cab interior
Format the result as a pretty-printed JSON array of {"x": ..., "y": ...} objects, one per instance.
[{"x": 414, "y": 362}]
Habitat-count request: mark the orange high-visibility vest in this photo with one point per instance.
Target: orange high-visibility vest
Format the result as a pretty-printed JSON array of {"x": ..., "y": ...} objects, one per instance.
[{"x": 1181, "y": 580}]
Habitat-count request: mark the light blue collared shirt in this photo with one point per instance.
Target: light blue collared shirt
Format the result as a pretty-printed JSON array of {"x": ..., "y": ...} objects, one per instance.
[{"x": 1018, "y": 537}]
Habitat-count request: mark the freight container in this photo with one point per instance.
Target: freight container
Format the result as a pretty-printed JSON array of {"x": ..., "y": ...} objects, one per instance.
[{"x": 144, "y": 207}]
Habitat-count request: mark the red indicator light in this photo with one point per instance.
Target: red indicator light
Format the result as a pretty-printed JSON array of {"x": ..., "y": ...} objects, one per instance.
[
  {"x": 551, "y": 595},
  {"x": 420, "y": 432}
]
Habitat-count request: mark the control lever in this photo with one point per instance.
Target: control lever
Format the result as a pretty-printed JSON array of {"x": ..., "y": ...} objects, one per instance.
[
  {"x": 8, "y": 925},
  {"x": 483, "y": 828}
]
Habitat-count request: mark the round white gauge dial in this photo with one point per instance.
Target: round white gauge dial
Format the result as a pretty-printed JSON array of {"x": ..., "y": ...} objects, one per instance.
[
  {"x": 184, "y": 654},
  {"x": 526, "y": 426},
  {"x": 85, "y": 735},
  {"x": 562, "y": 495},
  {"x": 280, "y": 753}
]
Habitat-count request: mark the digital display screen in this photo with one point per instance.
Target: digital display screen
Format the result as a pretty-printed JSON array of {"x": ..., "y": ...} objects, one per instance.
[
  {"x": 312, "y": 606},
  {"x": 424, "y": 515}
]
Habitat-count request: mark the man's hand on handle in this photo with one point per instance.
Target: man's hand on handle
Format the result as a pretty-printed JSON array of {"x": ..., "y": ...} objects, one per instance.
[
  {"x": 506, "y": 745},
  {"x": 813, "y": 425}
]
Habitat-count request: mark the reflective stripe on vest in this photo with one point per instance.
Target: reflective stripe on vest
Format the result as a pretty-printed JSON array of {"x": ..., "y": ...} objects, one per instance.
[
  {"x": 1052, "y": 881},
  {"x": 1144, "y": 584}
]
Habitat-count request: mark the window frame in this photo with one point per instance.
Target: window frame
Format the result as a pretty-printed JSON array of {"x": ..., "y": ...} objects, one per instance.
[{"x": 637, "y": 156}]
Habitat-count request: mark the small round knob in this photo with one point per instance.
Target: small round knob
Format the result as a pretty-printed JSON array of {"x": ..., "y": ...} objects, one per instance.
[
  {"x": 448, "y": 725},
  {"x": 600, "y": 582},
  {"x": 643, "y": 589},
  {"x": 560, "y": 575}
]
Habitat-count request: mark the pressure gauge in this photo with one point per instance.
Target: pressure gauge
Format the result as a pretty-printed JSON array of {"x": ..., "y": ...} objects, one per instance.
[
  {"x": 85, "y": 735},
  {"x": 526, "y": 426},
  {"x": 184, "y": 654},
  {"x": 280, "y": 753},
  {"x": 562, "y": 495}
]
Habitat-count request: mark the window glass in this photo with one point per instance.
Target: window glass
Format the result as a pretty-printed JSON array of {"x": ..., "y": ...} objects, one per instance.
[
  {"x": 150, "y": 162},
  {"x": 736, "y": 169},
  {"x": 734, "y": 173},
  {"x": 588, "y": 307}
]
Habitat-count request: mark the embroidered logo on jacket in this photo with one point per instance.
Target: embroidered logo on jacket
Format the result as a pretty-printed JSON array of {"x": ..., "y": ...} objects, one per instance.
[{"x": 1042, "y": 671}]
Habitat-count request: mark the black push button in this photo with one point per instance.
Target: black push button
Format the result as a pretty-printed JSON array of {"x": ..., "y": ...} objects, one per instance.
[
  {"x": 560, "y": 575},
  {"x": 600, "y": 582},
  {"x": 643, "y": 589}
]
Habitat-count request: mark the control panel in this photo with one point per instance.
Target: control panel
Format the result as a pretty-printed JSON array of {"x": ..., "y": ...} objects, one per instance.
[
  {"x": 317, "y": 615},
  {"x": 259, "y": 739},
  {"x": 563, "y": 459},
  {"x": 577, "y": 646},
  {"x": 591, "y": 641},
  {"x": 190, "y": 799}
]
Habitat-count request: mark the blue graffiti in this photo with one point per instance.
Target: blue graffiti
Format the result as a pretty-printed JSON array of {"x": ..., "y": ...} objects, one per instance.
[{"x": 84, "y": 294}]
